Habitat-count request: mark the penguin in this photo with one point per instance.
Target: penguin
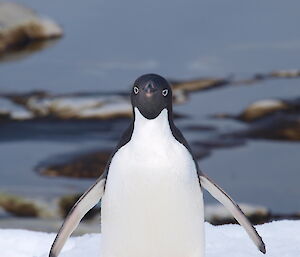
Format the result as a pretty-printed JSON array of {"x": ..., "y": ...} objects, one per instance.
[{"x": 151, "y": 190}]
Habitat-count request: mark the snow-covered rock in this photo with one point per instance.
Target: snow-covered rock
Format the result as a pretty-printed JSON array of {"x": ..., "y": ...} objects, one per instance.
[
  {"x": 281, "y": 238},
  {"x": 81, "y": 107},
  {"x": 13, "y": 111},
  {"x": 19, "y": 24}
]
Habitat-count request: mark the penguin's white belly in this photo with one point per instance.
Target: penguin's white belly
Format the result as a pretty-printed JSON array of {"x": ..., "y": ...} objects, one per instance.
[{"x": 153, "y": 204}]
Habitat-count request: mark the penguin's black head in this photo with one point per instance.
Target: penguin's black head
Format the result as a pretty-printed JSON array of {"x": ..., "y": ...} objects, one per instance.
[{"x": 151, "y": 94}]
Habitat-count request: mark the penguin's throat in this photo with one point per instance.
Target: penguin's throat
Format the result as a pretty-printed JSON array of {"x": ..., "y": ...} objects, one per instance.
[{"x": 155, "y": 129}]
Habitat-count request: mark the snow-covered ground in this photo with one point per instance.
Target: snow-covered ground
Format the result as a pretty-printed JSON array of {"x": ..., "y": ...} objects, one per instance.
[{"x": 282, "y": 239}]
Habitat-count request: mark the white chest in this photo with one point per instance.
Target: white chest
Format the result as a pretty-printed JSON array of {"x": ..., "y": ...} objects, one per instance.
[
  {"x": 152, "y": 196},
  {"x": 152, "y": 159}
]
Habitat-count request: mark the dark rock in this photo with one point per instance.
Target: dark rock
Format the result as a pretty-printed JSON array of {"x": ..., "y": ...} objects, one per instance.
[
  {"x": 4, "y": 115},
  {"x": 18, "y": 206},
  {"x": 86, "y": 165},
  {"x": 276, "y": 127},
  {"x": 197, "y": 84},
  {"x": 18, "y": 53}
]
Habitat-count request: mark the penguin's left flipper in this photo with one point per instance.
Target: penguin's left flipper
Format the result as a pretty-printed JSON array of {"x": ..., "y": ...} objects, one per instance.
[
  {"x": 219, "y": 194},
  {"x": 86, "y": 202}
]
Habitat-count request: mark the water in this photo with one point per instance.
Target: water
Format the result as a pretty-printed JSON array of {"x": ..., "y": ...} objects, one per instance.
[{"x": 107, "y": 44}]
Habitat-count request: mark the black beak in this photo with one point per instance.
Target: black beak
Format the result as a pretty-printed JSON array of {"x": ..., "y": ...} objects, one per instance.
[{"x": 149, "y": 89}]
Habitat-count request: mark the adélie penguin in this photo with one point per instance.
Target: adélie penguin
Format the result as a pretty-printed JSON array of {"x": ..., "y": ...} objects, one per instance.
[{"x": 151, "y": 190}]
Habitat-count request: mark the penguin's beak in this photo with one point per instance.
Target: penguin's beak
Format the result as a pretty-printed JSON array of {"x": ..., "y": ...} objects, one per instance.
[{"x": 149, "y": 89}]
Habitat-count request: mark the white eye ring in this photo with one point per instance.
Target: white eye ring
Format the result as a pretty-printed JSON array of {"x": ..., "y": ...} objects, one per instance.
[
  {"x": 136, "y": 90},
  {"x": 165, "y": 92}
]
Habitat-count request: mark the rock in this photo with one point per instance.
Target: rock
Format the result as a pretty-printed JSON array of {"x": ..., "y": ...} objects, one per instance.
[
  {"x": 86, "y": 165},
  {"x": 263, "y": 108},
  {"x": 4, "y": 115},
  {"x": 20, "y": 25},
  {"x": 41, "y": 105},
  {"x": 37, "y": 105},
  {"x": 12, "y": 111},
  {"x": 19, "y": 206},
  {"x": 276, "y": 119},
  {"x": 285, "y": 74},
  {"x": 276, "y": 127},
  {"x": 21, "y": 52},
  {"x": 217, "y": 214},
  {"x": 80, "y": 107},
  {"x": 197, "y": 84}
]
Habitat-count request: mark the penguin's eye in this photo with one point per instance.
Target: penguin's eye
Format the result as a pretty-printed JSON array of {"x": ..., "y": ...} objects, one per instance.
[
  {"x": 136, "y": 90},
  {"x": 165, "y": 92}
]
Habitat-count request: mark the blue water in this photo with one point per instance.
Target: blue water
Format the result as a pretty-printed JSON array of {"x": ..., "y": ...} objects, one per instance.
[{"x": 107, "y": 44}]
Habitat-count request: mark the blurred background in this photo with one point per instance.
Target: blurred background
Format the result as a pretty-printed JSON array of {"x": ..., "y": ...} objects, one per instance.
[{"x": 65, "y": 81}]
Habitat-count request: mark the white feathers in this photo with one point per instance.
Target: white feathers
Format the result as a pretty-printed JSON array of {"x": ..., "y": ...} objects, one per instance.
[{"x": 152, "y": 206}]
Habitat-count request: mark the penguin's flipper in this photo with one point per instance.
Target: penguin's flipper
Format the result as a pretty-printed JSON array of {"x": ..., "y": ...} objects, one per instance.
[
  {"x": 86, "y": 202},
  {"x": 219, "y": 194}
]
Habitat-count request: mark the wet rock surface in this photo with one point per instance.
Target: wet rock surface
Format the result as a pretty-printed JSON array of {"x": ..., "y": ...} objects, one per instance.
[
  {"x": 198, "y": 84},
  {"x": 20, "y": 25},
  {"x": 84, "y": 165},
  {"x": 22, "y": 207},
  {"x": 264, "y": 108},
  {"x": 277, "y": 127},
  {"x": 81, "y": 107},
  {"x": 269, "y": 119}
]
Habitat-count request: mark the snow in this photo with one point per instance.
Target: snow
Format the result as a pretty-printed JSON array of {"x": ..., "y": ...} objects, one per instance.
[{"x": 282, "y": 239}]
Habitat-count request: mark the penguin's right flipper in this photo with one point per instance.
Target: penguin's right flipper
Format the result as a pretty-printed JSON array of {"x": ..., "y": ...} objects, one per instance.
[
  {"x": 86, "y": 202},
  {"x": 219, "y": 194}
]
